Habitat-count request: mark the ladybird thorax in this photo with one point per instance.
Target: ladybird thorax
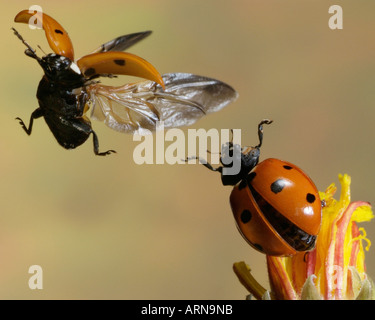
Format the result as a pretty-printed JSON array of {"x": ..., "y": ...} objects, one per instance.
[
  {"x": 248, "y": 157},
  {"x": 62, "y": 71},
  {"x": 59, "y": 100}
]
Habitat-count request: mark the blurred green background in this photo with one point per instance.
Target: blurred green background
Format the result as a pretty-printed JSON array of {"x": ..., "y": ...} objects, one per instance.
[{"x": 108, "y": 228}]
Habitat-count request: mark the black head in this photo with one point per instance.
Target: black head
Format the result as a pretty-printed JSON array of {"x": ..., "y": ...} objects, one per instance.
[
  {"x": 249, "y": 157},
  {"x": 57, "y": 68},
  {"x": 61, "y": 70}
]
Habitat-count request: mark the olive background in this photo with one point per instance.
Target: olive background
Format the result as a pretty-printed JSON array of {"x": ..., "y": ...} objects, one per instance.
[{"x": 106, "y": 228}]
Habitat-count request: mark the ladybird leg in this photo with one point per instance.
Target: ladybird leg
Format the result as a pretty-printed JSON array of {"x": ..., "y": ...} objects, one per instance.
[
  {"x": 205, "y": 163},
  {"x": 35, "y": 115},
  {"x": 260, "y": 131},
  {"x": 323, "y": 203},
  {"x": 96, "y": 146},
  {"x": 210, "y": 167},
  {"x": 209, "y": 151}
]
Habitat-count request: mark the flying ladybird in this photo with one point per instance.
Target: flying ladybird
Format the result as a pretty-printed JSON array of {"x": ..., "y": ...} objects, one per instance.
[
  {"x": 276, "y": 206},
  {"x": 68, "y": 89}
]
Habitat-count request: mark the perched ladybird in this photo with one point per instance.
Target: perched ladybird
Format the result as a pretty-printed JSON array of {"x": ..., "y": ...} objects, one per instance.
[
  {"x": 276, "y": 206},
  {"x": 68, "y": 89}
]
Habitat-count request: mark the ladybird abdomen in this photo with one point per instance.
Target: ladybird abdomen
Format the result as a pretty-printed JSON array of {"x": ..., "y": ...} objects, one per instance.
[
  {"x": 254, "y": 227},
  {"x": 289, "y": 190},
  {"x": 277, "y": 209}
]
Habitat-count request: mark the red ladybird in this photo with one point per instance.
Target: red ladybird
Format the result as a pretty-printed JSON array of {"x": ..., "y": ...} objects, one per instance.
[{"x": 276, "y": 206}]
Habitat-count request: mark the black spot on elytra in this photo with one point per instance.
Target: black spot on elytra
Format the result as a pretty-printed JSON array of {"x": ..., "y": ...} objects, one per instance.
[
  {"x": 287, "y": 167},
  {"x": 90, "y": 72},
  {"x": 120, "y": 62},
  {"x": 59, "y": 31},
  {"x": 278, "y": 186},
  {"x": 310, "y": 198},
  {"x": 246, "y": 216}
]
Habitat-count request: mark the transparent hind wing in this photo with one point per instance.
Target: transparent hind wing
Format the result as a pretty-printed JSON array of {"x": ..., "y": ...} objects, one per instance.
[{"x": 132, "y": 108}]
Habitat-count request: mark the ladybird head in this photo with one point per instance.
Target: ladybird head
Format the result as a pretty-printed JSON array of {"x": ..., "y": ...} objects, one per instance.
[
  {"x": 249, "y": 157},
  {"x": 61, "y": 69},
  {"x": 57, "y": 68}
]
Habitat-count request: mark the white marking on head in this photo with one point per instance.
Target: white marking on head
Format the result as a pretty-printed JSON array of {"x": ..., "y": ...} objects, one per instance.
[{"x": 75, "y": 68}]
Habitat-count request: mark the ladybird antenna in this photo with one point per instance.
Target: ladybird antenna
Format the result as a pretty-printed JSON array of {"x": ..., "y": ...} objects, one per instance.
[
  {"x": 42, "y": 49},
  {"x": 29, "y": 51},
  {"x": 260, "y": 131}
]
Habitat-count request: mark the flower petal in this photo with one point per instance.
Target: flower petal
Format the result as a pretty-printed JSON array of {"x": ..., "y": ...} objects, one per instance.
[
  {"x": 354, "y": 283},
  {"x": 309, "y": 290},
  {"x": 367, "y": 291},
  {"x": 280, "y": 282},
  {"x": 297, "y": 262},
  {"x": 343, "y": 248},
  {"x": 363, "y": 213},
  {"x": 331, "y": 279}
]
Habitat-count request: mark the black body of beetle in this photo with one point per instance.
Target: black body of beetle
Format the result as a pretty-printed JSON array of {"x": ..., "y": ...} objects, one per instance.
[{"x": 62, "y": 99}]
